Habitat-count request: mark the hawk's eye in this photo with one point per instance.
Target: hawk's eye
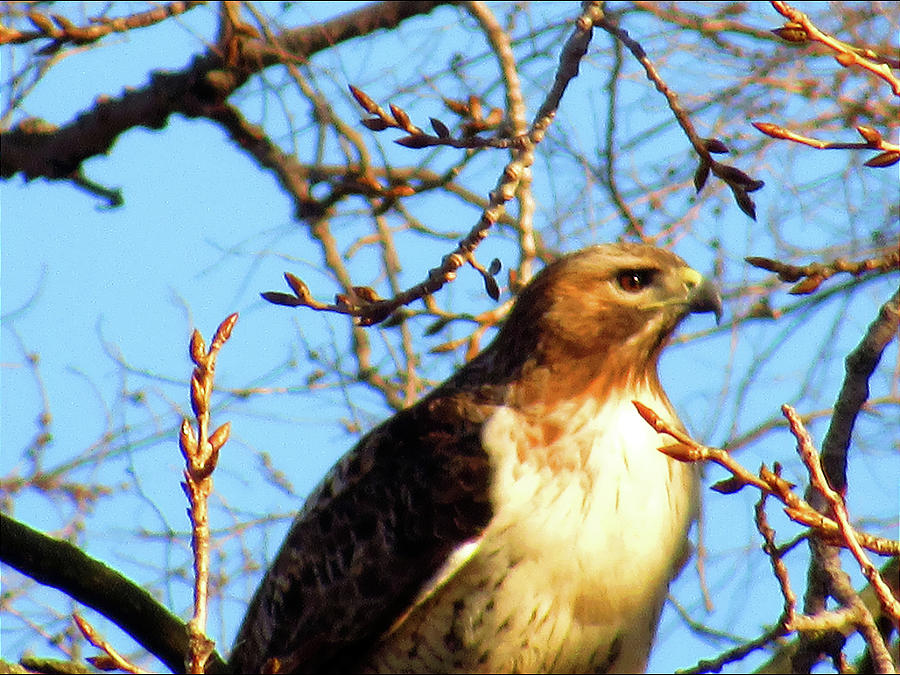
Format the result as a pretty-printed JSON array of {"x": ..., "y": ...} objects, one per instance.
[{"x": 633, "y": 281}]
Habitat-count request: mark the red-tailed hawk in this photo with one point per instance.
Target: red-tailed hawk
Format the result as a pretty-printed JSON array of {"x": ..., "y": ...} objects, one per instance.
[{"x": 518, "y": 518}]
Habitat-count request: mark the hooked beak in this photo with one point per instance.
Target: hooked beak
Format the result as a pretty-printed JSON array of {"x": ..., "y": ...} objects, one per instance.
[{"x": 703, "y": 296}]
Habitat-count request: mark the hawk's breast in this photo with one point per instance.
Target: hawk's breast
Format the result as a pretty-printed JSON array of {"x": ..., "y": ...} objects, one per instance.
[{"x": 590, "y": 523}]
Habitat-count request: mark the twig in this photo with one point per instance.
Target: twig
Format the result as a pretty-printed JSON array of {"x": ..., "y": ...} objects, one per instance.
[
  {"x": 817, "y": 477},
  {"x": 116, "y": 659},
  {"x": 735, "y": 654},
  {"x": 890, "y": 152},
  {"x": 516, "y": 116},
  {"x": 398, "y": 118},
  {"x": 612, "y": 185},
  {"x": 364, "y": 305},
  {"x": 801, "y": 29},
  {"x": 201, "y": 454},
  {"x": 740, "y": 183},
  {"x": 781, "y": 628},
  {"x": 814, "y": 274},
  {"x": 798, "y": 510},
  {"x": 112, "y": 196},
  {"x": 62, "y": 31},
  {"x": 778, "y": 567}
]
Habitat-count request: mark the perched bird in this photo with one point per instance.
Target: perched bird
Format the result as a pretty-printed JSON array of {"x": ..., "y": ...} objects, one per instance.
[{"x": 518, "y": 518}]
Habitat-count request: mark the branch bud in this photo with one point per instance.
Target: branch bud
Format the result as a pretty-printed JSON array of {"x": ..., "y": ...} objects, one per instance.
[
  {"x": 220, "y": 436},
  {"x": 402, "y": 118},
  {"x": 792, "y": 32},
  {"x": 187, "y": 440},
  {"x": 364, "y": 100},
  {"x": 197, "y": 348},
  {"x": 223, "y": 332}
]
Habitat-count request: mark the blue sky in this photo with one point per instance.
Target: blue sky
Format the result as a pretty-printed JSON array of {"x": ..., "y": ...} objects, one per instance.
[{"x": 108, "y": 297}]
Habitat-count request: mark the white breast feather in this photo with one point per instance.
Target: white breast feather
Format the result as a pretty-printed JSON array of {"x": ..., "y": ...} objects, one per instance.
[
  {"x": 579, "y": 552},
  {"x": 605, "y": 530}
]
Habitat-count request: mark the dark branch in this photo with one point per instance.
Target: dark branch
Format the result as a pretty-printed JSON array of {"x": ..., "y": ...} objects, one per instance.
[
  {"x": 59, "y": 564},
  {"x": 37, "y": 150},
  {"x": 825, "y": 576},
  {"x": 860, "y": 364}
]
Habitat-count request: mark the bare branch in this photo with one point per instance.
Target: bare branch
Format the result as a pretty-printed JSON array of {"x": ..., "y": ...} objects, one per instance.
[
  {"x": 61, "y": 31},
  {"x": 59, "y": 564},
  {"x": 847, "y": 55},
  {"x": 860, "y": 364},
  {"x": 369, "y": 311},
  {"x": 839, "y": 508},
  {"x": 740, "y": 183},
  {"x": 815, "y": 273},
  {"x": 58, "y": 153},
  {"x": 890, "y": 152},
  {"x": 688, "y": 450},
  {"x": 113, "y": 658}
]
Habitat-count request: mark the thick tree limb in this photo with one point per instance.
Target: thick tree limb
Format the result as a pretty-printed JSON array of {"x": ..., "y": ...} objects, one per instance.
[
  {"x": 41, "y": 150},
  {"x": 59, "y": 564}
]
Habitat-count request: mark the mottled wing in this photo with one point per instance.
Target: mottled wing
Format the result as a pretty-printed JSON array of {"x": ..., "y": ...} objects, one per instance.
[{"x": 369, "y": 540}]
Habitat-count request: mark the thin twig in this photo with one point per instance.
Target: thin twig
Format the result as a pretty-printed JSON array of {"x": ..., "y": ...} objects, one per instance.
[
  {"x": 890, "y": 152},
  {"x": 817, "y": 476},
  {"x": 814, "y": 274},
  {"x": 740, "y": 183},
  {"x": 781, "y": 627},
  {"x": 516, "y": 115},
  {"x": 201, "y": 454},
  {"x": 775, "y": 558},
  {"x": 846, "y": 54},
  {"x": 118, "y": 661},
  {"x": 62, "y": 31}
]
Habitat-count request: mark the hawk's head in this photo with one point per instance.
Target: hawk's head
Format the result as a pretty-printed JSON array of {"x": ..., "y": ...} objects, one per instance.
[{"x": 604, "y": 310}]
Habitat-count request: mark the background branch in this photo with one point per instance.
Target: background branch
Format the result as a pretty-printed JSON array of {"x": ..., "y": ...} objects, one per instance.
[{"x": 57, "y": 153}]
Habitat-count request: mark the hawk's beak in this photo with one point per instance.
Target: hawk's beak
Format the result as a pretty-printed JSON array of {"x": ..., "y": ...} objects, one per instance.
[{"x": 703, "y": 296}]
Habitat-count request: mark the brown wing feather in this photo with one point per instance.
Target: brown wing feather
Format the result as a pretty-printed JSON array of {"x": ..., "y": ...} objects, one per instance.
[{"x": 377, "y": 528}]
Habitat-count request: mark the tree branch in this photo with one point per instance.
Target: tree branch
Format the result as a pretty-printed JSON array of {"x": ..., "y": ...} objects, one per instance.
[
  {"x": 59, "y": 564},
  {"x": 40, "y": 150},
  {"x": 860, "y": 364}
]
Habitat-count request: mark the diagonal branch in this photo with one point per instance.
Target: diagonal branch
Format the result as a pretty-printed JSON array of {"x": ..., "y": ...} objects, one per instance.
[
  {"x": 59, "y": 564},
  {"x": 801, "y": 29},
  {"x": 740, "y": 183},
  {"x": 824, "y": 576},
  {"x": 860, "y": 364}
]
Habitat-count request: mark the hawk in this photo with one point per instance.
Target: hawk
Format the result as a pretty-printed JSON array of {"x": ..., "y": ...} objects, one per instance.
[{"x": 519, "y": 517}]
